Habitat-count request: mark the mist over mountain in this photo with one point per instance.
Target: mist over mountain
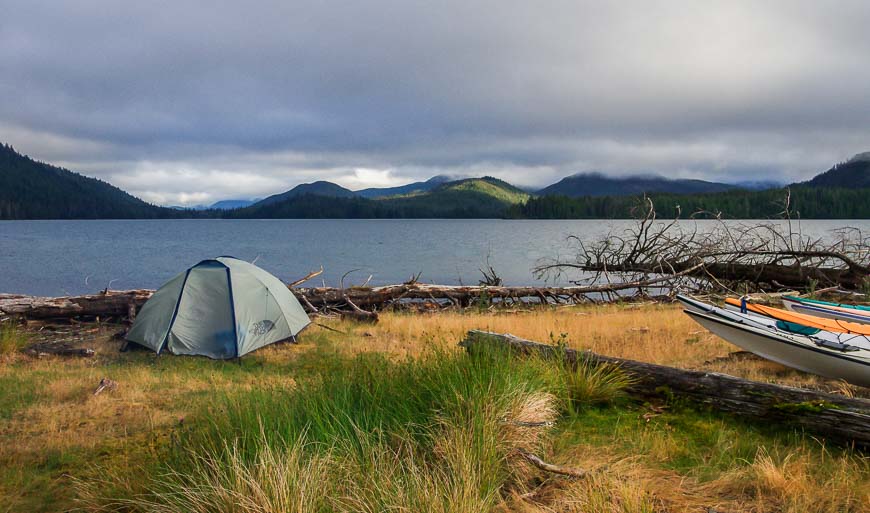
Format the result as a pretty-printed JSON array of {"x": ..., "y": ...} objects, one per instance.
[
  {"x": 34, "y": 190},
  {"x": 597, "y": 184}
]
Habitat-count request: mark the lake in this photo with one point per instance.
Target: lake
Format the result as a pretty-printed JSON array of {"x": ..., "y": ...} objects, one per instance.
[{"x": 75, "y": 257}]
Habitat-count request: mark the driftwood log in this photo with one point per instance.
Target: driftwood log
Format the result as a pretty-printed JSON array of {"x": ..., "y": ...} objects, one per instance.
[
  {"x": 120, "y": 303},
  {"x": 458, "y": 295},
  {"x": 837, "y": 418},
  {"x": 48, "y": 349},
  {"x": 106, "y": 303}
]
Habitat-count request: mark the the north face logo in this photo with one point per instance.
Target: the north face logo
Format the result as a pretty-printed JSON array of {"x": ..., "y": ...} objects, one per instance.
[{"x": 262, "y": 327}]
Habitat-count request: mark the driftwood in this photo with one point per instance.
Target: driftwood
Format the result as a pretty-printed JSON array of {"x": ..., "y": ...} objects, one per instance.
[
  {"x": 121, "y": 303},
  {"x": 837, "y": 418},
  {"x": 107, "y": 303},
  {"x": 45, "y": 349},
  {"x": 463, "y": 295},
  {"x": 300, "y": 281},
  {"x": 725, "y": 258},
  {"x": 549, "y": 467},
  {"x": 358, "y": 314},
  {"x": 106, "y": 384}
]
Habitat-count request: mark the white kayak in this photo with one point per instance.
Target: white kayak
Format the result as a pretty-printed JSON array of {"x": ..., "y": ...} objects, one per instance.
[
  {"x": 807, "y": 353},
  {"x": 734, "y": 314}
]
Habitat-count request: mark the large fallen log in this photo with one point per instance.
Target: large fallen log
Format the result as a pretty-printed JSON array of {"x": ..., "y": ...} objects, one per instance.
[
  {"x": 837, "y": 418},
  {"x": 118, "y": 302},
  {"x": 459, "y": 295},
  {"x": 107, "y": 303},
  {"x": 783, "y": 276}
]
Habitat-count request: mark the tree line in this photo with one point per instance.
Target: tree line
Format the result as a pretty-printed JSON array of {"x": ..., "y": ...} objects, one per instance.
[{"x": 807, "y": 202}]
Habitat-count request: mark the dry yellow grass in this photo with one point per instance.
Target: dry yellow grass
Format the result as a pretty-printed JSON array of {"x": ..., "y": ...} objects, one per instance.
[
  {"x": 652, "y": 333},
  {"x": 64, "y": 430}
]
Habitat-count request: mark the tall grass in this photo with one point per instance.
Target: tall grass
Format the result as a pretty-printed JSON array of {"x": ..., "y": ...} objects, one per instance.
[{"x": 436, "y": 433}]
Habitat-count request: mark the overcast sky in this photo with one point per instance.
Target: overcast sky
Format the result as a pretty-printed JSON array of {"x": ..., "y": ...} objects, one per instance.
[{"x": 189, "y": 102}]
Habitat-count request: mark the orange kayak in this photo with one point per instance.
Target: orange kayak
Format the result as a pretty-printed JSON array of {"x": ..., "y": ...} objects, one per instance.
[{"x": 812, "y": 321}]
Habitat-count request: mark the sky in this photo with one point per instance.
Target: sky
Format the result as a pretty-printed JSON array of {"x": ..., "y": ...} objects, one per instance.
[{"x": 189, "y": 102}]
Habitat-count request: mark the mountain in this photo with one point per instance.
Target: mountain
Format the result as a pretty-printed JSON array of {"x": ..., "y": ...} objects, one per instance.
[
  {"x": 596, "y": 184},
  {"x": 488, "y": 186},
  {"x": 319, "y": 188},
  {"x": 759, "y": 185},
  {"x": 467, "y": 198},
  {"x": 852, "y": 174},
  {"x": 402, "y": 190},
  {"x": 231, "y": 204},
  {"x": 34, "y": 190}
]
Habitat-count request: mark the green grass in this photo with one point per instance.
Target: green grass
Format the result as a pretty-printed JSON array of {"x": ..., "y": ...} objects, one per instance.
[{"x": 17, "y": 391}]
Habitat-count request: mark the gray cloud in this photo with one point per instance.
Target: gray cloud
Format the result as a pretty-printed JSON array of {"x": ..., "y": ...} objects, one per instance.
[{"x": 189, "y": 101}]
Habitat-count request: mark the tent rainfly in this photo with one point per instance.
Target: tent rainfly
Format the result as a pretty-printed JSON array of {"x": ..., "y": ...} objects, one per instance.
[{"x": 221, "y": 308}]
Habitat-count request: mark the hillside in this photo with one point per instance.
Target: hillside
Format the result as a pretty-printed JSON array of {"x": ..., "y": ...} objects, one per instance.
[
  {"x": 319, "y": 188},
  {"x": 468, "y": 198},
  {"x": 35, "y": 190},
  {"x": 597, "y": 184},
  {"x": 854, "y": 173},
  {"x": 231, "y": 204},
  {"x": 402, "y": 190}
]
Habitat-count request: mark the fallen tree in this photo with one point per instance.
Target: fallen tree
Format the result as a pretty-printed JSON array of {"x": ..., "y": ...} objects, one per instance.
[
  {"x": 837, "y": 418},
  {"x": 109, "y": 303},
  {"x": 352, "y": 300},
  {"x": 724, "y": 258}
]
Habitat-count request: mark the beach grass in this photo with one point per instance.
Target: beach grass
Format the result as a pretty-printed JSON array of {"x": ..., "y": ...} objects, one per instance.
[{"x": 395, "y": 416}]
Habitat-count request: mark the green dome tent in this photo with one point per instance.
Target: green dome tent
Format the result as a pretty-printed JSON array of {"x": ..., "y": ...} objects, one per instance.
[{"x": 221, "y": 308}]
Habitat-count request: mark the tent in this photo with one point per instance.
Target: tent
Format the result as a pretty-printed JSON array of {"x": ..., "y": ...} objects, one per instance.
[{"x": 220, "y": 308}]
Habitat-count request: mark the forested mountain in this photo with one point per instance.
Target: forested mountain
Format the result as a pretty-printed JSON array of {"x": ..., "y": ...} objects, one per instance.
[
  {"x": 411, "y": 188},
  {"x": 319, "y": 188},
  {"x": 34, "y": 190},
  {"x": 596, "y": 184},
  {"x": 853, "y": 173},
  {"x": 470, "y": 198}
]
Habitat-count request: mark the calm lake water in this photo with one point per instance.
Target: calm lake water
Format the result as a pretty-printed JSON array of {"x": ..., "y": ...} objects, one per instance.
[{"x": 74, "y": 257}]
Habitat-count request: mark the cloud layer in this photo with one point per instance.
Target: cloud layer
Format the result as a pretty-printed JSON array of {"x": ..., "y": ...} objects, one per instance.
[{"x": 187, "y": 102}]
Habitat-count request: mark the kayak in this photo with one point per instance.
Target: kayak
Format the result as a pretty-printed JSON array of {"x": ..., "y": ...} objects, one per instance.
[
  {"x": 828, "y": 312},
  {"x": 811, "y": 321},
  {"x": 784, "y": 328},
  {"x": 828, "y": 303},
  {"x": 849, "y": 363}
]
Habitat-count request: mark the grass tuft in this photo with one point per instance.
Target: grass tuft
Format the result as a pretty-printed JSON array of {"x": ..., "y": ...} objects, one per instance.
[
  {"x": 589, "y": 384},
  {"x": 280, "y": 478}
]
